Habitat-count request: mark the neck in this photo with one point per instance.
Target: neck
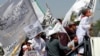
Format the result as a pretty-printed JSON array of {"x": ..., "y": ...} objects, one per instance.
[{"x": 82, "y": 16}]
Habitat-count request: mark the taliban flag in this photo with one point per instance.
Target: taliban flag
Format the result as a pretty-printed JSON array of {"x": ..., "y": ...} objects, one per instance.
[{"x": 15, "y": 15}]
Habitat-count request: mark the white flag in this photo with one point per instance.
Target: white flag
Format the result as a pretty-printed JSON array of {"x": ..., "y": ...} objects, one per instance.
[
  {"x": 33, "y": 29},
  {"x": 78, "y": 5},
  {"x": 38, "y": 10},
  {"x": 58, "y": 27},
  {"x": 48, "y": 18},
  {"x": 75, "y": 9},
  {"x": 15, "y": 15}
]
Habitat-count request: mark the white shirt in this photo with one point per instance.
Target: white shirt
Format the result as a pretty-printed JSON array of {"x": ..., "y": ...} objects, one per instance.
[
  {"x": 38, "y": 45},
  {"x": 84, "y": 26}
]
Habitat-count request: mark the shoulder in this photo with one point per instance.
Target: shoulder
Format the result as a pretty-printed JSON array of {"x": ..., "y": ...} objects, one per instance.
[
  {"x": 56, "y": 40},
  {"x": 84, "y": 18}
]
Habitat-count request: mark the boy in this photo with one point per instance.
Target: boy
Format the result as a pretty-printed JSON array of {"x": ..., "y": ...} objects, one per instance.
[{"x": 83, "y": 28}]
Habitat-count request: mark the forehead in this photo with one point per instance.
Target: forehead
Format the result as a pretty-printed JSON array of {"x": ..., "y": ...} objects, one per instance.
[{"x": 88, "y": 10}]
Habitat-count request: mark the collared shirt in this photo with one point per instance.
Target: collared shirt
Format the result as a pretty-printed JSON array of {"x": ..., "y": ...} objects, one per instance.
[{"x": 84, "y": 26}]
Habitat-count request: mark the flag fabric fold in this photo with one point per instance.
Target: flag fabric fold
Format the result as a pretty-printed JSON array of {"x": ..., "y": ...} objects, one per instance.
[
  {"x": 38, "y": 11},
  {"x": 15, "y": 15}
]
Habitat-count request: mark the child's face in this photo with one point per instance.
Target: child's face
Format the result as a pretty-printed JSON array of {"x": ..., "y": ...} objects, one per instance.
[{"x": 88, "y": 13}]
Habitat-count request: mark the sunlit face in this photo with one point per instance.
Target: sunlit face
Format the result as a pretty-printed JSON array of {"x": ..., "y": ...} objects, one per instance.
[{"x": 89, "y": 13}]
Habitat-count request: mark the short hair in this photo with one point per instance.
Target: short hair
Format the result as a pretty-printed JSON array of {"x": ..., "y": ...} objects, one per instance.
[{"x": 84, "y": 11}]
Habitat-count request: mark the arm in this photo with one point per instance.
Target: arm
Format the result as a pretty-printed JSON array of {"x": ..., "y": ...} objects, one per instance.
[
  {"x": 63, "y": 47},
  {"x": 87, "y": 26},
  {"x": 85, "y": 23}
]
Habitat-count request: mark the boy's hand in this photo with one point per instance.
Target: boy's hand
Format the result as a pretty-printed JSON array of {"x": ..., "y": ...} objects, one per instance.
[{"x": 73, "y": 48}]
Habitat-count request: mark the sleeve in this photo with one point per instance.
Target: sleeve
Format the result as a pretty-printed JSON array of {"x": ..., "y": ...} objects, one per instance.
[
  {"x": 86, "y": 26},
  {"x": 85, "y": 23},
  {"x": 63, "y": 47}
]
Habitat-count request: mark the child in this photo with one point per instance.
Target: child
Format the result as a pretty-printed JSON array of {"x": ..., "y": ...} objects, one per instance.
[{"x": 83, "y": 28}]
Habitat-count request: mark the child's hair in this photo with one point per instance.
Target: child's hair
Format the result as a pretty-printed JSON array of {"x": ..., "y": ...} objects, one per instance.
[
  {"x": 59, "y": 20},
  {"x": 84, "y": 11}
]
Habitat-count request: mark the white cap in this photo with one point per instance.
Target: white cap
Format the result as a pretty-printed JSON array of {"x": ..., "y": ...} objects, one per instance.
[
  {"x": 24, "y": 46},
  {"x": 51, "y": 32},
  {"x": 30, "y": 41}
]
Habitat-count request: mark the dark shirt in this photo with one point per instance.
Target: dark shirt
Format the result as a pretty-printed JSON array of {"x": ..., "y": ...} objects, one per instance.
[
  {"x": 71, "y": 33},
  {"x": 54, "y": 47}
]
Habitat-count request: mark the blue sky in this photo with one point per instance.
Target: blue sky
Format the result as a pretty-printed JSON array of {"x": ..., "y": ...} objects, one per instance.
[{"x": 60, "y": 7}]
